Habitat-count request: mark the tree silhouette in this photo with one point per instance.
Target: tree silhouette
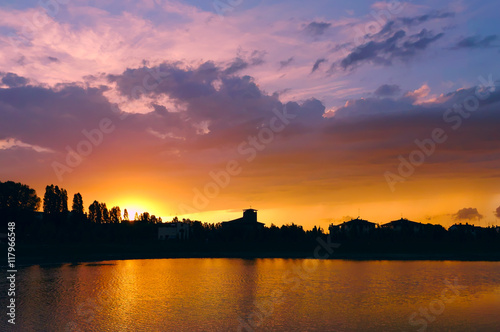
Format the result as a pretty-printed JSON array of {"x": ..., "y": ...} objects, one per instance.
[
  {"x": 17, "y": 200},
  {"x": 144, "y": 217},
  {"x": 77, "y": 207},
  {"x": 55, "y": 200},
  {"x": 104, "y": 213},
  {"x": 125, "y": 215},
  {"x": 155, "y": 220},
  {"x": 50, "y": 200},
  {"x": 95, "y": 215},
  {"x": 115, "y": 215},
  {"x": 64, "y": 200},
  {"x": 18, "y": 197}
]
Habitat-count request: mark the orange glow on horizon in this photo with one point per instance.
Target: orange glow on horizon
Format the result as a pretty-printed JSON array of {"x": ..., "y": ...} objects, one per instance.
[{"x": 137, "y": 205}]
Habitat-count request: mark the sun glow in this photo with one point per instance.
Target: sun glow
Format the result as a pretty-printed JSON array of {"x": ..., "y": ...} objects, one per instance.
[{"x": 137, "y": 205}]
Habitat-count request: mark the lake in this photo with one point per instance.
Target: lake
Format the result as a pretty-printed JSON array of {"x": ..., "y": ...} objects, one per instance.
[{"x": 258, "y": 295}]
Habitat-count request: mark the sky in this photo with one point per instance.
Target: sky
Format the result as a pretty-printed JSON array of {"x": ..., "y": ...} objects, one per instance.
[{"x": 311, "y": 112}]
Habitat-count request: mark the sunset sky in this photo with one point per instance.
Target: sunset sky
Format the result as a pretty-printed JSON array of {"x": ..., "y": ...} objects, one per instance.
[{"x": 311, "y": 112}]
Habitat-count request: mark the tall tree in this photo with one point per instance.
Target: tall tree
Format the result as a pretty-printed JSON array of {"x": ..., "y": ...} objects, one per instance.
[
  {"x": 95, "y": 214},
  {"x": 49, "y": 200},
  {"x": 115, "y": 215},
  {"x": 63, "y": 200},
  {"x": 104, "y": 213},
  {"x": 125, "y": 215},
  {"x": 77, "y": 207},
  {"x": 55, "y": 200}
]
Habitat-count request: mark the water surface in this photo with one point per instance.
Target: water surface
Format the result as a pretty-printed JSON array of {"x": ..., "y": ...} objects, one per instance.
[{"x": 260, "y": 294}]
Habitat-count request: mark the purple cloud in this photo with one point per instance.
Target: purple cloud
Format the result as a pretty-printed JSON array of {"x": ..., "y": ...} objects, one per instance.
[
  {"x": 13, "y": 80},
  {"x": 477, "y": 42},
  {"x": 317, "y": 28},
  {"x": 387, "y": 90},
  {"x": 468, "y": 214},
  {"x": 317, "y": 64}
]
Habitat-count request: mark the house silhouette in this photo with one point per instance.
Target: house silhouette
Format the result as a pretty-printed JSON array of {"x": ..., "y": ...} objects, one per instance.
[
  {"x": 404, "y": 225},
  {"x": 358, "y": 225},
  {"x": 247, "y": 222}
]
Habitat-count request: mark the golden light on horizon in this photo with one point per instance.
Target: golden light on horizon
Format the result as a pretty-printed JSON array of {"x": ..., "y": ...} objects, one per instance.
[{"x": 137, "y": 205}]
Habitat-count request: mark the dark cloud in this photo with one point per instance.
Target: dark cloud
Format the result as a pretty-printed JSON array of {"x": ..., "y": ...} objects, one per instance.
[
  {"x": 237, "y": 65},
  {"x": 230, "y": 105},
  {"x": 477, "y": 42},
  {"x": 497, "y": 212},
  {"x": 257, "y": 58},
  {"x": 373, "y": 51},
  {"x": 317, "y": 28},
  {"x": 378, "y": 131},
  {"x": 387, "y": 28},
  {"x": 285, "y": 63},
  {"x": 387, "y": 90},
  {"x": 53, "y": 59},
  {"x": 419, "y": 41},
  {"x": 398, "y": 46},
  {"x": 339, "y": 47},
  {"x": 405, "y": 22},
  {"x": 182, "y": 84},
  {"x": 217, "y": 112},
  {"x": 367, "y": 108},
  {"x": 317, "y": 64},
  {"x": 51, "y": 117},
  {"x": 468, "y": 214},
  {"x": 12, "y": 80},
  {"x": 424, "y": 18}
]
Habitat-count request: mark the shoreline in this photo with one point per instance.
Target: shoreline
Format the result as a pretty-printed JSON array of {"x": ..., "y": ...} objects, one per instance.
[
  {"x": 80, "y": 253},
  {"x": 472, "y": 257}
]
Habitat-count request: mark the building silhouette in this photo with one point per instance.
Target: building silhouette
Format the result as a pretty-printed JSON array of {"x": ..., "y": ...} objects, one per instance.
[
  {"x": 173, "y": 230},
  {"x": 354, "y": 226},
  {"x": 247, "y": 222},
  {"x": 404, "y": 225}
]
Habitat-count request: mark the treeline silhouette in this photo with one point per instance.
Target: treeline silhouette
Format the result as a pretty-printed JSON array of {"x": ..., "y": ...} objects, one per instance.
[
  {"x": 413, "y": 237},
  {"x": 97, "y": 226}
]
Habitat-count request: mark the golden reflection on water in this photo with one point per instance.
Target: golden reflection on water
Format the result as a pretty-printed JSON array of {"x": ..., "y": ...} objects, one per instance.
[{"x": 262, "y": 294}]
